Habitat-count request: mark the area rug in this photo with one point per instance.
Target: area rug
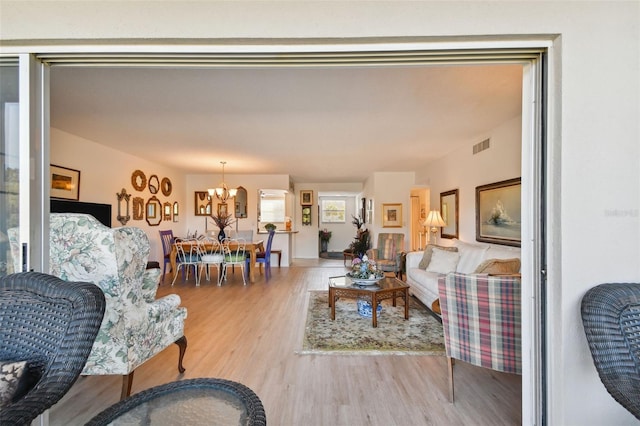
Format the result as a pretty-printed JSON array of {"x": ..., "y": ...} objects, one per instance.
[{"x": 351, "y": 333}]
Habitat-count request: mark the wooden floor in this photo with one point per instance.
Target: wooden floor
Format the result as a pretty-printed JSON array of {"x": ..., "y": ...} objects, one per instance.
[{"x": 249, "y": 334}]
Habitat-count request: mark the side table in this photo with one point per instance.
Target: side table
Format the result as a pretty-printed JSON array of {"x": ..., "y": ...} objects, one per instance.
[{"x": 188, "y": 402}]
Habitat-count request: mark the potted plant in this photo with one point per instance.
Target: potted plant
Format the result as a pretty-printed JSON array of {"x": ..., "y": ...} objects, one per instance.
[
  {"x": 270, "y": 227},
  {"x": 325, "y": 236},
  {"x": 222, "y": 220}
]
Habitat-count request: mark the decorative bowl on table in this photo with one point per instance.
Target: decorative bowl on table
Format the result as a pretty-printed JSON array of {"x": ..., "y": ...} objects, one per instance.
[
  {"x": 364, "y": 271},
  {"x": 363, "y": 281}
]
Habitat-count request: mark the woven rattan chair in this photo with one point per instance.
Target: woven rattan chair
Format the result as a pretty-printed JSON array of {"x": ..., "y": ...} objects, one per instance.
[
  {"x": 611, "y": 319},
  {"x": 51, "y": 324},
  {"x": 187, "y": 396}
]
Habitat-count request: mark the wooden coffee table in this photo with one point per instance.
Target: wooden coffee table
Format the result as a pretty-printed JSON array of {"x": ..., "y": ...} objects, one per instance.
[{"x": 386, "y": 288}]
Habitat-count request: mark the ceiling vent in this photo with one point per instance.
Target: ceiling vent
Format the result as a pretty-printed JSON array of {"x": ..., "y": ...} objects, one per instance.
[{"x": 481, "y": 146}]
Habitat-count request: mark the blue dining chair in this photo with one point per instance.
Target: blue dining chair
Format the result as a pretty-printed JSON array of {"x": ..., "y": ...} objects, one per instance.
[
  {"x": 167, "y": 242},
  {"x": 264, "y": 257}
]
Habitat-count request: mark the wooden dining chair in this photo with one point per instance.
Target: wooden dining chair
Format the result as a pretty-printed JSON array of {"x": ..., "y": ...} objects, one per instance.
[
  {"x": 264, "y": 257},
  {"x": 167, "y": 242}
]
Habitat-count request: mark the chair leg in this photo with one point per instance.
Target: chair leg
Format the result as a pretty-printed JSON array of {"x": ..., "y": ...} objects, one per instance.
[
  {"x": 182, "y": 344},
  {"x": 127, "y": 381},
  {"x": 175, "y": 275},
  {"x": 450, "y": 363}
]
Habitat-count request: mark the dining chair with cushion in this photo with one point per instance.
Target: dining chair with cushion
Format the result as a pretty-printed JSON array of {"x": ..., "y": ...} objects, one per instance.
[
  {"x": 47, "y": 329},
  {"x": 481, "y": 321},
  {"x": 234, "y": 254},
  {"x": 388, "y": 253},
  {"x": 187, "y": 258},
  {"x": 167, "y": 242},
  {"x": 211, "y": 254},
  {"x": 136, "y": 325},
  {"x": 264, "y": 257},
  {"x": 611, "y": 320}
]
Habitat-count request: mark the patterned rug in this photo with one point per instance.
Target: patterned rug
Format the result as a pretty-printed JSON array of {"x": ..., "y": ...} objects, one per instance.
[{"x": 351, "y": 333}]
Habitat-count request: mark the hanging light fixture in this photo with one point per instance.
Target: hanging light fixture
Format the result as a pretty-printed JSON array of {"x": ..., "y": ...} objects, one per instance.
[{"x": 222, "y": 192}]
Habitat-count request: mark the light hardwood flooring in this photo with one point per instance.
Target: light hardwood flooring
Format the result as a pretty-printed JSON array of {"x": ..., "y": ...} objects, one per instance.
[{"x": 250, "y": 334}]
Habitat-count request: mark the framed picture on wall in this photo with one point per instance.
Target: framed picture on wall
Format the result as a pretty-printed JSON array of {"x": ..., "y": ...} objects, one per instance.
[
  {"x": 392, "y": 215},
  {"x": 65, "y": 183},
  {"x": 498, "y": 213},
  {"x": 306, "y": 198}
]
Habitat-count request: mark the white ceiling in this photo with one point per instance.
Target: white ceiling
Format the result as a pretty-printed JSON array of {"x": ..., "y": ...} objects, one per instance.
[{"x": 316, "y": 125}]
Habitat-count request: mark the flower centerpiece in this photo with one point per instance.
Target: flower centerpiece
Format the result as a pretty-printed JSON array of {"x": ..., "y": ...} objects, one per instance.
[
  {"x": 222, "y": 220},
  {"x": 365, "y": 271}
]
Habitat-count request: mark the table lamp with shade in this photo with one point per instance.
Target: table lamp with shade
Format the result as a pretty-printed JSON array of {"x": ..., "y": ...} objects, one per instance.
[{"x": 433, "y": 222}]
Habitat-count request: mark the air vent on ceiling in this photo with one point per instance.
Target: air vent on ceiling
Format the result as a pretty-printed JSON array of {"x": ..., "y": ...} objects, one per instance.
[{"x": 481, "y": 146}]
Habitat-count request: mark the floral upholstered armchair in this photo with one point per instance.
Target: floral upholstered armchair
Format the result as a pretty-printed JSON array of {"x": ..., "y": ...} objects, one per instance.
[
  {"x": 388, "y": 253},
  {"x": 136, "y": 325}
]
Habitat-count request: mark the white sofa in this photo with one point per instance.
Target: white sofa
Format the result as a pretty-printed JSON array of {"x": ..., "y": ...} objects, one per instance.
[{"x": 424, "y": 285}]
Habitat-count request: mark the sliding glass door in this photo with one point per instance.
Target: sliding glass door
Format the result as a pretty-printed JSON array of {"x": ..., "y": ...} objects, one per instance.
[{"x": 23, "y": 109}]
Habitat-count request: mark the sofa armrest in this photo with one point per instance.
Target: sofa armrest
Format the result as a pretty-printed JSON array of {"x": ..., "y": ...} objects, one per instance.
[{"x": 414, "y": 258}]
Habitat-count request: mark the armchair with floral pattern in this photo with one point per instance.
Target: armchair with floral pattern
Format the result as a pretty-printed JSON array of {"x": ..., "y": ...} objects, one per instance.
[{"x": 136, "y": 325}]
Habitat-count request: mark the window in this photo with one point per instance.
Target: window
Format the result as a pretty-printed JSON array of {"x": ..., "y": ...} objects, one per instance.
[
  {"x": 334, "y": 211},
  {"x": 272, "y": 206}
]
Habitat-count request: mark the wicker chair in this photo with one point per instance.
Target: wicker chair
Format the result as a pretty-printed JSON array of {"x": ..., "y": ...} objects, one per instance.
[
  {"x": 611, "y": 317},
  {"x": 51, "y": 324}
]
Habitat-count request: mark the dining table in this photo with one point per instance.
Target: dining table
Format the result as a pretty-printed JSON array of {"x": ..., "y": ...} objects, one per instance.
[{"x": 252, "y": 247}]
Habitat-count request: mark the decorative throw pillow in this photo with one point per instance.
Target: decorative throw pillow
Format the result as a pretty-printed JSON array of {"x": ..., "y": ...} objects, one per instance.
[
  {"x": 426, "y": 257},
  {"x": 443, "y": 261},
  {"x": 499, "y": 266},
  {"x": 10, "y": 374},
  {"x": 389, "y": 250}
]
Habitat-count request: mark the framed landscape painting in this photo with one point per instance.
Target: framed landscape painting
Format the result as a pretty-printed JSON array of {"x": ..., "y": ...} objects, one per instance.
[
  {"x": 498, "y": 213},
  {"x": 65, "y": 183}
]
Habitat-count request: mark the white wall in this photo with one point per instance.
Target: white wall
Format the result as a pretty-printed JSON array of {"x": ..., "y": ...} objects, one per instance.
[
  {"x": 390, "y": 188},
  {"x": 105, "y": 171},
  {"x": 594, "y": 136},
  {"x": 464, "y": 171}
]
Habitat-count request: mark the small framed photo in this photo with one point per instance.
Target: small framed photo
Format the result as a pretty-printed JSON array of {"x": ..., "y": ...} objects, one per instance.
[
  {"x": 392, "y": 215},
  {"x": 306, "y": 198},
  {"x": 223, "y": 209},
  {"x": 65, "y": 183}
]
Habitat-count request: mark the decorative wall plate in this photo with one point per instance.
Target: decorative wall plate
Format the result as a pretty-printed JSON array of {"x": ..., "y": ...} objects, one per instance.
[{"x": 138, "y": 180}]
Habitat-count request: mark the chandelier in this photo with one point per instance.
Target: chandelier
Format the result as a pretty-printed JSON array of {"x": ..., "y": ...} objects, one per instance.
[{"x": 222, "y": 192}]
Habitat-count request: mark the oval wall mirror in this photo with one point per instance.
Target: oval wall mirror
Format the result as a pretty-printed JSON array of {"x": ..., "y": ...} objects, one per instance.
[
  {"x": 241, "y": 203},
  {"x": 153, "y": 211},
  {"x": 154, "y": 184}
]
